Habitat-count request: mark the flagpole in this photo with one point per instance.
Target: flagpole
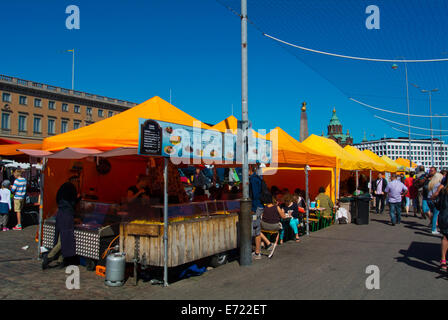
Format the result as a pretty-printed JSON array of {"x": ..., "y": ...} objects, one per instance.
[{"x": 73, "y": 70}]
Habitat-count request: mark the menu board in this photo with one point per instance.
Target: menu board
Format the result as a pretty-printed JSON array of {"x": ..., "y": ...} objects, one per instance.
[
  {"x": 159, "y": 138},
  {"x": 150, "y": 142}
]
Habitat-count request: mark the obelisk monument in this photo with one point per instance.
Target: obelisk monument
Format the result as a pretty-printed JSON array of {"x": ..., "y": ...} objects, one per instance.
[{"x": 303, "y": 123}]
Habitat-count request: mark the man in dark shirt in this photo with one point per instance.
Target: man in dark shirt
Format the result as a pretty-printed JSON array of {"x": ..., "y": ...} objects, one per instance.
[{"x": 64, "y": 242}]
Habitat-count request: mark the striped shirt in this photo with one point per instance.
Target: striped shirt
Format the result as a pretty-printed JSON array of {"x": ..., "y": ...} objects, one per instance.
[{"x": 19, "y": 188}]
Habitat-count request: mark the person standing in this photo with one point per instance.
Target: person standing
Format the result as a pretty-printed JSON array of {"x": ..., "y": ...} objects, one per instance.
[
  {"x": 411, "y": 195},
  {"x": 419, "y": 181},
  {"x": 64, "y": 238},
  {"x": 19, "y": 190},
  {"x": 443, "y": 224},
  {"x": 434, "y": 187},
  {"x": 5, "y": 204},
  {"x": 395, "y": 190},
  {"x": 379, "y": 187},
  {"x": 255, "y": 186}
]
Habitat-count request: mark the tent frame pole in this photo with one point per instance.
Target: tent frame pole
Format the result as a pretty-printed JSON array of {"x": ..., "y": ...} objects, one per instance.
[
  {"x": 307, "y": 202},
  {"x": 41, "y": 206},
  {"x": 165, "y": 223}
]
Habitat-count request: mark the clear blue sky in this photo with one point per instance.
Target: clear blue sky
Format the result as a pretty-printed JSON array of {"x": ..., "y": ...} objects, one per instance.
[{"x": 134, "y": 50}]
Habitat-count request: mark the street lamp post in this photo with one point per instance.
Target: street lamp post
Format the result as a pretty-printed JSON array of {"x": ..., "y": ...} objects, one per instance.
[
  {"x": 429, "y": 92},
  {"x": 441, "y": 159},
  {"x": 245, "y": 221},
  {"x": 409, "y": 117}
]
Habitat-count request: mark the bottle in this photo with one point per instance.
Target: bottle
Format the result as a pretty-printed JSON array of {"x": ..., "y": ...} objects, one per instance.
[{"x": 317, "y": 204}]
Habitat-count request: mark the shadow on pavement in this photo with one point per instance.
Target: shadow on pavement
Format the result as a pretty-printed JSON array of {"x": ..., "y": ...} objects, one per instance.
[{"x": 422, "y": 255}]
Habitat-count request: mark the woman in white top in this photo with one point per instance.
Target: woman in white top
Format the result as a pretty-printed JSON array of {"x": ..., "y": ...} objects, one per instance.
[{"x": 5, "y": 204}]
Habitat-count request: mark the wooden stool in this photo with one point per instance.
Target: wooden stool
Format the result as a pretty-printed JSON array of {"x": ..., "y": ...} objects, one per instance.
[{"x": 272, "y": 232}]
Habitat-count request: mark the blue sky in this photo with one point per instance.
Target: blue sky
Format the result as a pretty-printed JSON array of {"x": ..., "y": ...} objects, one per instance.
[{"x": 134, "y": 50}]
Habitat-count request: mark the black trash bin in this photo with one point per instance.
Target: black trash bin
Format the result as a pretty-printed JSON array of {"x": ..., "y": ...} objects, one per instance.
[{"x": 361, "y": 205}]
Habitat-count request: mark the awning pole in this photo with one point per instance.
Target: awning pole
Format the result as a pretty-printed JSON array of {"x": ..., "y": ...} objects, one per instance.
[
  {"x": 41, "y": 204},
  {"x": 357, "y": 179},
  {"x": 307, "y": 202},
  {"x": 165, "y": 223}
]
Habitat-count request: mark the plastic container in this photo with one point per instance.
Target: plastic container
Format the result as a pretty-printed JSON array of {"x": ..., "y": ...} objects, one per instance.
[{"x": 115, "y": 269}]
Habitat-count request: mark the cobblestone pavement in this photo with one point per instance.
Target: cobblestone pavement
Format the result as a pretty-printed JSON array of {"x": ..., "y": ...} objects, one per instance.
[{"x": 329, "y": 264}]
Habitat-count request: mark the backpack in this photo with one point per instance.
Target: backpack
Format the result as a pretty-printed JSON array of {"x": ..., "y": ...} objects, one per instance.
[{"x": 265, "y": 194}]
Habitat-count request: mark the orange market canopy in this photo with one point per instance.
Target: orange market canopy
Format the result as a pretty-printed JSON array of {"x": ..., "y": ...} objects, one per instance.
[
  {"x": 374, "y": 156},
  {"x": 329, "y": 147},
  {"x": 121, "y": 130},
  {"x": 290, "y": 151},
  {"x": 370, "y": 164},
  {"x": 14, "y": 149},
  {"x": 231, "y": 123}
]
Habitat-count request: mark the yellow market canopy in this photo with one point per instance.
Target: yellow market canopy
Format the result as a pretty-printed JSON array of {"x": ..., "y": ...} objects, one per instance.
[
  {"x": 375, "y": 157},
  {"x": 371, "y": 164},
  {"x": 393, "y": 163},
  {"x": 121, "y": 130},
  {"x": 290, "y": 151},
  {"x": 405, "y": 163},
  {"x": 329, "y": 147}
]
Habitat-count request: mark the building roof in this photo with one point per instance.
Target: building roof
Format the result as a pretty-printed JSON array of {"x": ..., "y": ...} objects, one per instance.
[{"x": 334, "y": 121}]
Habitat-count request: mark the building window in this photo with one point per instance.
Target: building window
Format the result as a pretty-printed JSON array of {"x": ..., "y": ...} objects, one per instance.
[
  {"x": 111, "y": 114},
  {"x": 65, "y": 107},
  {"x": 37, "y": 125},
  {"x": 64, "y": 126},
  {"x": 89, "y": 111},
  {"x": 38, "y": 103},
  {"x": 22, "y": 123},
  {"x": 51, "y": 126},
  {"x": 23, "y": 100},
  {"x": 100, "y": 113},
  {"x": 51, "y": 105},
  {"x": 6, "y": 121},
  {"x": 77, "y": 109},
  {"x": 76, "y": 125},
  {"x": 6, "y": 97}
]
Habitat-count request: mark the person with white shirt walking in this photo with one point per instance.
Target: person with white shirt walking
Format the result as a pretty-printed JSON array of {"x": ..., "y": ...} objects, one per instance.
[
  {"x": 395, "y": 191},
  {"x": 379, "y": 185},
  {"x": 5, "y": 204}
]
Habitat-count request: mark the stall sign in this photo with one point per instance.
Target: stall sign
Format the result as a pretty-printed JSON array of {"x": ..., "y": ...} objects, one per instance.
[{"x": 184, "y": 143}]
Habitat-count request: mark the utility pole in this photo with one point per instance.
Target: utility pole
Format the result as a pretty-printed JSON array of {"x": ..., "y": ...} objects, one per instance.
[{"x": 245, "y": 217}]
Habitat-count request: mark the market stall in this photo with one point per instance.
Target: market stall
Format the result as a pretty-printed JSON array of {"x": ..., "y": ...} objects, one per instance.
[{"x": 110, "y": 155}]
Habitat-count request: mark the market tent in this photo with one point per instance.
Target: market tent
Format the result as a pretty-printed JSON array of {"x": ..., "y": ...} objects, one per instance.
[
  {"x": 375, "y": 157},
  {"x": 13, "y": 149},
  {"x": 292, "y": 178},
  {"x": 120, "y": 130},
  {"x": 371, "y": 164},
  {"x": 405, "y": 163},
  {"x": 393, "y": 164},
  {"x": 346, "y": 160},
  {"x": 290, "y": 151},
  {"x": 231, "y": 123}
]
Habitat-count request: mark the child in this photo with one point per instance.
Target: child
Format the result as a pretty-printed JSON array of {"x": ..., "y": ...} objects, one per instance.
[{"x": 5, "y": 204}]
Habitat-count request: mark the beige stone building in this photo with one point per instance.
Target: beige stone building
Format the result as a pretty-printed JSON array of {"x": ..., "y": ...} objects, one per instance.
[{"x": 32, "y": 111}]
